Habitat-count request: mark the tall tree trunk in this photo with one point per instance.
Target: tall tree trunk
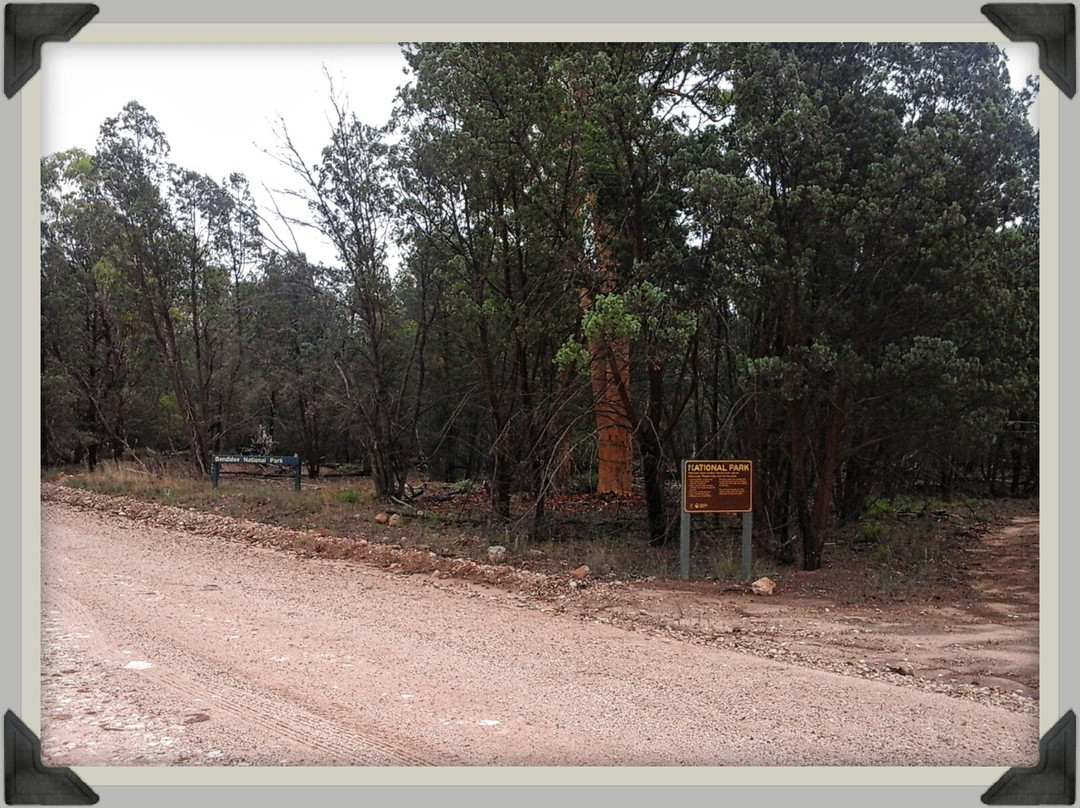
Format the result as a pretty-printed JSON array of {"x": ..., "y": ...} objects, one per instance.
[
  {"x": 149, "y": 277},
  {"x": 501, "y": 457},
  {"x": 812, "y": 543},
  {"x": 786, "y": 547},
  {"x": 539, "y": 484},
  {"x": 383, "y": 473},
  {"x": 828, "y": 468},
  {"x": 501, "y": 479},
  {"x": 609, "y": 369},
  {"x": 652, "y": 454},
  {"x": 614, "y": 432}
]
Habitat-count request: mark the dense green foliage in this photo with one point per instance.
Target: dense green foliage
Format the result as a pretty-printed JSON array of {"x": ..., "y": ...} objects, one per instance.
[{"x": 823, "y": 258}]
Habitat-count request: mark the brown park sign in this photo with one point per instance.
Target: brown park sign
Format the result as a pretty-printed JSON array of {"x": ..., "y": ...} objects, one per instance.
[{"x": 718, "y": 486}]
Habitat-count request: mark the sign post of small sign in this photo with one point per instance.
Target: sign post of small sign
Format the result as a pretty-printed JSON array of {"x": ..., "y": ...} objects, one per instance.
[
  {"x": 717, "y": 486},
  {"x": 260, "y": 460}
]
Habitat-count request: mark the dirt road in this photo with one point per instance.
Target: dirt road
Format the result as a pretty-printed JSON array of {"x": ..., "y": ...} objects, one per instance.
[{"x": 172, "y": 647}]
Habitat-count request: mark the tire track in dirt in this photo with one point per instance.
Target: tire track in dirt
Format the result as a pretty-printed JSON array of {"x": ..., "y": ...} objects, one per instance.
[
  {"x": 335, "y": 743},
  {"x": 477, "y": 674},
  {"x": 924, "y": 630}
]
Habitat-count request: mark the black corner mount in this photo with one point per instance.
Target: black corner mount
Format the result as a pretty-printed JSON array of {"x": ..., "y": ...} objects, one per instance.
[
  {"x": 28, "y": 26},
  {"x": 27, "y": 781},
  {"x": 1052, "y": 781},
  {"x": 1051, "y": 26}
]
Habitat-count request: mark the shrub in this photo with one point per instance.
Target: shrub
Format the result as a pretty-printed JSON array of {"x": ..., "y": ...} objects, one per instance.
[
  {"x": 871, "y": 531},
  {"x": 463, "y": 487},
  {"x": 729, "y": 570},
  {"x": 882, "y": 553}
]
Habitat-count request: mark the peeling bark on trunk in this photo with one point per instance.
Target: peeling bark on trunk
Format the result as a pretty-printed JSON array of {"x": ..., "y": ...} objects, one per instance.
[
  {"x": 610, "y": 376},
  {"x": 610, "y": 373}
]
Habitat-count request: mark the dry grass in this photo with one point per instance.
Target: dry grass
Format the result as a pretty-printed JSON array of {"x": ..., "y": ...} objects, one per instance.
[{"x": 890, "y": 555}]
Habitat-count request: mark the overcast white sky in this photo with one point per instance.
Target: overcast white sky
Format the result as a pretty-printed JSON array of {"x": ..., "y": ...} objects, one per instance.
[{"x": 218, "y": 105}]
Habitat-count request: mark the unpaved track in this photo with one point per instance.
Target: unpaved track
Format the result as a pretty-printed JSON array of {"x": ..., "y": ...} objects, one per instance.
[{"x": 166, "y": 647}]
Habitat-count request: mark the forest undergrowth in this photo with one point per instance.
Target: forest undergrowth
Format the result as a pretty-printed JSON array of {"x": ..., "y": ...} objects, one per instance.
[{"x": 904, "y": 548}]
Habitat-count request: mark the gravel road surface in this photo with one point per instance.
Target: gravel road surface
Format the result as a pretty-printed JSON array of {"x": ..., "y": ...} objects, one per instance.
[{"x": 166, "y": 647}]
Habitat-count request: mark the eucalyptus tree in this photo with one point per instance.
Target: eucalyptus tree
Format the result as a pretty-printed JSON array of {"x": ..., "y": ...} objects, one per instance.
[
  {"x": 297, "y": 387},
  {"x": 160, "y": 252},
  {"x": 202, "y": 213},
  {"x": 643, "y": 104},
  {"x": 487, "y": 204},
  {"x": 550, "y": 172},
  {"x": 89, "y": 345},
  {"x": 350, "y": 193},
  {"x": 448, "y": 408},
  {"x": 235, "y": 251},
  {"x": 858, "y": 189},
  {"x": 180, "y": 242},
  {"x": 237, "y": 245}
]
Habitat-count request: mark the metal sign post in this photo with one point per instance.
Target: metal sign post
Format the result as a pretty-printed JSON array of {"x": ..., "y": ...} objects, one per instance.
[
  {"x": 717, "y": 486},
  {"x": 684, "y": 545},
  {"x": 747, "y": 543}
]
